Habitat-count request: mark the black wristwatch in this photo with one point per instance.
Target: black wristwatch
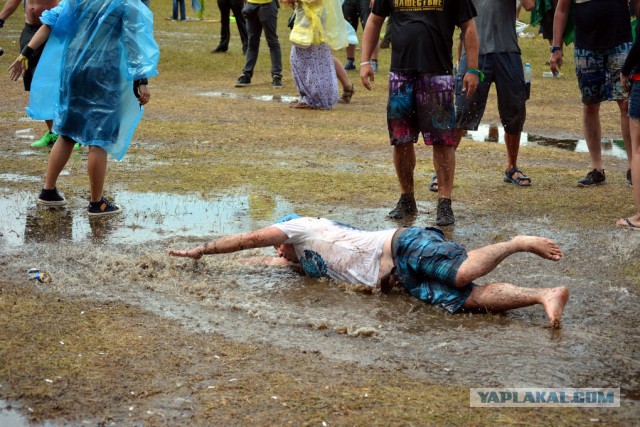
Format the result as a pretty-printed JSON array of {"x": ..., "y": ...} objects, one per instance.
[{"x": 554, "y": 48}]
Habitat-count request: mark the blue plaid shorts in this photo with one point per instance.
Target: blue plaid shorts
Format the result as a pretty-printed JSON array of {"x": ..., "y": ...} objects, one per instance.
[{"x": 427, "y": 264}]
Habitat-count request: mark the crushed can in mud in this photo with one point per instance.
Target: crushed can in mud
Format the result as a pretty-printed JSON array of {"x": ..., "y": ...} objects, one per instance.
[{"x": 40, "y": 276}]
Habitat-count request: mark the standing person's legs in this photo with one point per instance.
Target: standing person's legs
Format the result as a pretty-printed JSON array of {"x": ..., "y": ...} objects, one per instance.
[
  {"x": 615, "y": 61},
  {"x": 254, "y": 32},
  {"x": 174, "y": 15},
  {"x": 348, "y": 89},
  {"x": 593, "y": 133},
  {"x": 183, "y": 14},
  {"x": 436, "y": 121},
  {"x": 97, "y": 170},
  {"x": 350, "y": 11},
  {"x": 403, "y": 134},
  {"x": 512, "y": 97},
  {"x": 58, "y": 158},
  {"x": 225, "y": 33},
  {"x": 269, "y": 19},
  {"x": 236, "y": 8},
  {"x": 633, "y": 221}
]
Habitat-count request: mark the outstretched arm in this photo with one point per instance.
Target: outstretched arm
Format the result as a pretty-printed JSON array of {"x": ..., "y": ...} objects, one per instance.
[
  {"x": 16, "y": 69},
  {"x": 9, "y": 7},
  {"x": 262, "y": 238}
]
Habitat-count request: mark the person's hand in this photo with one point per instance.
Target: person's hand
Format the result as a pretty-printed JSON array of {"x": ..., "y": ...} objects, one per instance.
[
  {"x": 470, "y": 84},
  {"x": 145, "y": 94},
  {"x": 624, "y": 81},
  {"x": 555, "y": 62},
  {"x": 367, "y": 76},
  {"x": 195, "y": 253},
  {"x": 17, "y": 68}
]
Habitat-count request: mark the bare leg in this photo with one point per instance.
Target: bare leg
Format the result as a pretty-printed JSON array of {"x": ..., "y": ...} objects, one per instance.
[
  {"x": 444, "y": 162},
  {"x": 58, "y": 158},
  {"x": 97, "y": 169},
  {"x": 624, "y": 128},
  {"x": 593, "y": 133},
  {"x": 635, "y": 172},
  {"x": 404, "y": 160},
  {"x": 341, "y": 74},
  {"x": 499, "y": 297},
  {"x": 482, "y": 261}
]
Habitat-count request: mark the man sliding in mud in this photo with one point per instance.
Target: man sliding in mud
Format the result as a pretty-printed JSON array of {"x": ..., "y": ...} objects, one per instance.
[{"x": 421, "y": 260}]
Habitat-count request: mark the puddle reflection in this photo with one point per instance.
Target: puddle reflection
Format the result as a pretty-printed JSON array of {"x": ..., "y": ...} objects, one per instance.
[
  {"x": 10, "y": 417},
  {"x": 146, "y": 217},
  {"x": 495, "y": 133},
  {"x": 267, "y": 98}
]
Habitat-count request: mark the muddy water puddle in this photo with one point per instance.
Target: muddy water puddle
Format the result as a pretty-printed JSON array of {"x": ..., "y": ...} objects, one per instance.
[
  {"x": 495, "y": 133},
  {"x": 598, "y": 346}
]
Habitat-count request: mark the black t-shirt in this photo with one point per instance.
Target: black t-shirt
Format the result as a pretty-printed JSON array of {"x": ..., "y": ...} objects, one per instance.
[
  {"x": 423, "y": 32},
  {"x": 602, "y": 24}
]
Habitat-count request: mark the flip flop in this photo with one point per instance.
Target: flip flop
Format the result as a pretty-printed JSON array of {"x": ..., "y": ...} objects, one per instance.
[
  {"x": 433, "y": 186},
  {"x": 629, "y": 225},
  {"x": 508, "y": 177}
]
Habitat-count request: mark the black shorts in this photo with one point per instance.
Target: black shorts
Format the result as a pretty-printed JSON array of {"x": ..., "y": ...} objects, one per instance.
[{"x": 27, "y": 34}]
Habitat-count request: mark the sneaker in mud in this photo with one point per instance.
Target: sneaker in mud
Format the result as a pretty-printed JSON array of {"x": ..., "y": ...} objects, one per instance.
[
  {"x": 243, "y": 81},
  {"x": 444, "y": 213},
  {"x": 593, "y": 178},
  {"x": 349, "y": 65},
  {"x": 47, "y": 140},
  {"x": 50, "y": 198},
  {"x": 103, "y": 207},
  {"x": 405, "y": 208},
  {"x": 276, "y": 82}
]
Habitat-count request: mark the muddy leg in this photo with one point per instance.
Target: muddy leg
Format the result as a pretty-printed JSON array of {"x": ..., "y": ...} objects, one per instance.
[
  {"x": 499, "y": 297},
  {"x": 482, "y": 261}
]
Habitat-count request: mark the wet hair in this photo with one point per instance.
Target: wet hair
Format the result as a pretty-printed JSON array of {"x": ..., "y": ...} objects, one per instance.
[{"x": 288, "y": 218}]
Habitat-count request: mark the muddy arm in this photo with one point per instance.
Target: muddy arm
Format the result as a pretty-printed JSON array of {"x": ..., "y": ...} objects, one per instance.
[{"x": 262, "y": 238}]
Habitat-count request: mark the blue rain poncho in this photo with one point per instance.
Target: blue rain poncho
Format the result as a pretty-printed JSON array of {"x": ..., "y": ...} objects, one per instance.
[{"x": 96, "y": 49}]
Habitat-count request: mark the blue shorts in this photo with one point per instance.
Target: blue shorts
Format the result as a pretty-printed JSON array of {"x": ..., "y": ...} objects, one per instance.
[
  {"x": 634, "y": 101},
  {"x": 426, "y": 265},
  {"x": 598, "y": 73},
  {"x": 505, "y": 70},
  {"x": 420, "y": 102}
]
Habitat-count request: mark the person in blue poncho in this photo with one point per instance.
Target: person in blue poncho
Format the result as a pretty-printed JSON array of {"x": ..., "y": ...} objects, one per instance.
[{"x": 100, "y": 54}]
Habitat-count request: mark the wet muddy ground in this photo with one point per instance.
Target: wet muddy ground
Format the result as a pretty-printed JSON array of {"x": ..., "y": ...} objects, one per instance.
[{"x": 125, "y": 335}]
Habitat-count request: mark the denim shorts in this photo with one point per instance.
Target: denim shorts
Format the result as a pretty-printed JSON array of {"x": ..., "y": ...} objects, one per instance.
[
  {"x": 421, "y": 103},
  {"x": 598, "y": 73},
  {"x": 426, "y": 265},
  {"x": 505, "y": 71},
  {"x": 634, "y": 101}
]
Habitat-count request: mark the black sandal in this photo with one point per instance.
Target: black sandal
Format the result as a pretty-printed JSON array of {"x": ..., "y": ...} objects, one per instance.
[
  {"x": 433, "y": 186},
  {"x": 508, "y": 177}
]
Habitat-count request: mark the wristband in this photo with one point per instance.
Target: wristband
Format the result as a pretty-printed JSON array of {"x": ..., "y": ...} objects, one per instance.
[
  {"x": 477, "y": 72},
  {"x": 22, "y": 58},
  {"x": 1, "y": 23},
  {"x": 362, "y": 64},
  {"x": 27, "y": 52},
  {"x": 554, "y": 48}
]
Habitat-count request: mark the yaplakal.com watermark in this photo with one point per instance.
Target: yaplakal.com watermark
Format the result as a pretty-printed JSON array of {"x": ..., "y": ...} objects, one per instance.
[{"x": 544, "y": 397}]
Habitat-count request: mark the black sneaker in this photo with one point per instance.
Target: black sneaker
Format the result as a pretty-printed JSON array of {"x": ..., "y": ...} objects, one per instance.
[
  {"x": 243, "y": 81},
  {"x": 50, "y": 198},
  {"x": 593, "y": 178},
  {"x": 276, "y": 82},
  {"x": 406, "y": 207},
  {"x": 349, "y": 66},
  {"x": 219, "y": 50},
  {"x": 103, "y": 207},
  {"x": 444, "y": 213}
]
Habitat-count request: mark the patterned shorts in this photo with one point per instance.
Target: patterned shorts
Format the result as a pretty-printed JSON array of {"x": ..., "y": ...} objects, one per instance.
[
  {"x": 598, "y": 73},
  {"x": 426, "y": 265},
  {"x": 421, "y": 103}
]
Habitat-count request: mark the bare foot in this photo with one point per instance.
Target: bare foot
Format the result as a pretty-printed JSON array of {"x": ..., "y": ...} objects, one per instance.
[
  {"x": 554, "y": 301},
  {"x": 633, "y": 222},
  {"x": 541, "y": 246}
]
